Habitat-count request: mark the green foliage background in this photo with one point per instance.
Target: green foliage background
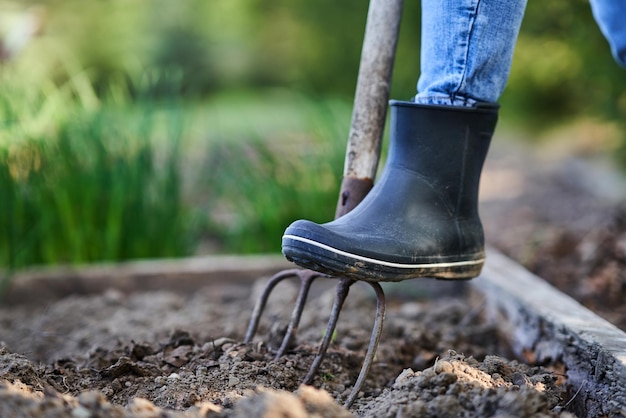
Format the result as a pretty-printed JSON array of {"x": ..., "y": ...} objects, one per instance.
[{"x": 562, "y": 67}]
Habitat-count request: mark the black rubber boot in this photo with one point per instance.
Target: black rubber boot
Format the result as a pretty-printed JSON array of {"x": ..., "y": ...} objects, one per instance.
[{"x": 421, "y": 218}]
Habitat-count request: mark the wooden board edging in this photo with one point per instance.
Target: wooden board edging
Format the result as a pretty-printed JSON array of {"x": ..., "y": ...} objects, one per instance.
[
  {"x": 43, "y": 285},
  {"x": 550, "y": 325}
]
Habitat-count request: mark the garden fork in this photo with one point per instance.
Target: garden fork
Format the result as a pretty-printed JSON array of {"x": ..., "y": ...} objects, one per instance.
[{"x": 361, "y": 164}]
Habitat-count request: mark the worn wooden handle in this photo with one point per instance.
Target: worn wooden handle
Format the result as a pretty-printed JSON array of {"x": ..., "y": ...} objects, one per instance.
[{"x": 370, "y": 102}]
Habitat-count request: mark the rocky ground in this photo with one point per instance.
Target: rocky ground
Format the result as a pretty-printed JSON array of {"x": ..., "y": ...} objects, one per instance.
[{"x": 167, "y": 354}]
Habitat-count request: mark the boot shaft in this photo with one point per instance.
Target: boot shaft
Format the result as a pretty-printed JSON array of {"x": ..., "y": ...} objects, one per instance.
[{"x": 446, "y": 145}]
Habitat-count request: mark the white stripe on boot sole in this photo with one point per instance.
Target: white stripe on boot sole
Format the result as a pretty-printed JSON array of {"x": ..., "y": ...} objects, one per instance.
[{"x": 384, "y": 263}]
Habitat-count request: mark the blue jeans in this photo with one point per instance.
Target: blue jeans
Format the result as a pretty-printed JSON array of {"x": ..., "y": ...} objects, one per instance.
[
  {"x": 467, "y": 46},
  {"x": 611, "y": 18}
]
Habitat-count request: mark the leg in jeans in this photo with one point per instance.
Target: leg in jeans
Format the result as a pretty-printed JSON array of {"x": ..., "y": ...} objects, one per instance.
[
  {"x": 611, "y": 18},
  {"x": 467, "y": 48}
]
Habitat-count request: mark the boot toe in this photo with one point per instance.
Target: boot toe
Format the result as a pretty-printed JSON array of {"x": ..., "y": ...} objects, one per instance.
[
  {"x": 321, "y": 248},
  {"x": 315, "y": 247}
]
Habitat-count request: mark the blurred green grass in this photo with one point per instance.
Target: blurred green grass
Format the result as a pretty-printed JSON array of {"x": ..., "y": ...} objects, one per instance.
[
  {"x": 146, "y": 179},
  {"x": 285, "y": 165},
  {"x": 89, "y": 186}
]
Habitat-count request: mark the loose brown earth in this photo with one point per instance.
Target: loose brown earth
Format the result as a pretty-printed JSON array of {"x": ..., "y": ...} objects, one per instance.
[{"x": 167, "y": 354}]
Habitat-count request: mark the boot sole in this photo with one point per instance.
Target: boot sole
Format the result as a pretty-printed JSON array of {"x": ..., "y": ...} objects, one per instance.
[{"x": 332, "y": 261}]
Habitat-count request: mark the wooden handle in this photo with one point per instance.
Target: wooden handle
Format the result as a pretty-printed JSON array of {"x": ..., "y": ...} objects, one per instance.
[{"x": 370, "y": 102}]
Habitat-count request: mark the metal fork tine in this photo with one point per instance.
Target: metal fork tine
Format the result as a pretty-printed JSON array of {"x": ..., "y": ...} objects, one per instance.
[
  {"x": 306, "y": 279},
  {"x": 343, "y": 287},
  {"x": 260, "y": 304},
  {"x": 373, "y": 346}
]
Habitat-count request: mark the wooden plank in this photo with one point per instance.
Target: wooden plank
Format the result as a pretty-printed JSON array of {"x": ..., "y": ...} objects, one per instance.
[
  {"x": 548, "y": 325},
  {"x": 184, "y": 275}
]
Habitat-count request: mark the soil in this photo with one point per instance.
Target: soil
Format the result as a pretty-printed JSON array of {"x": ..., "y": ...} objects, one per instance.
[{"x": 171, "y": 354}]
